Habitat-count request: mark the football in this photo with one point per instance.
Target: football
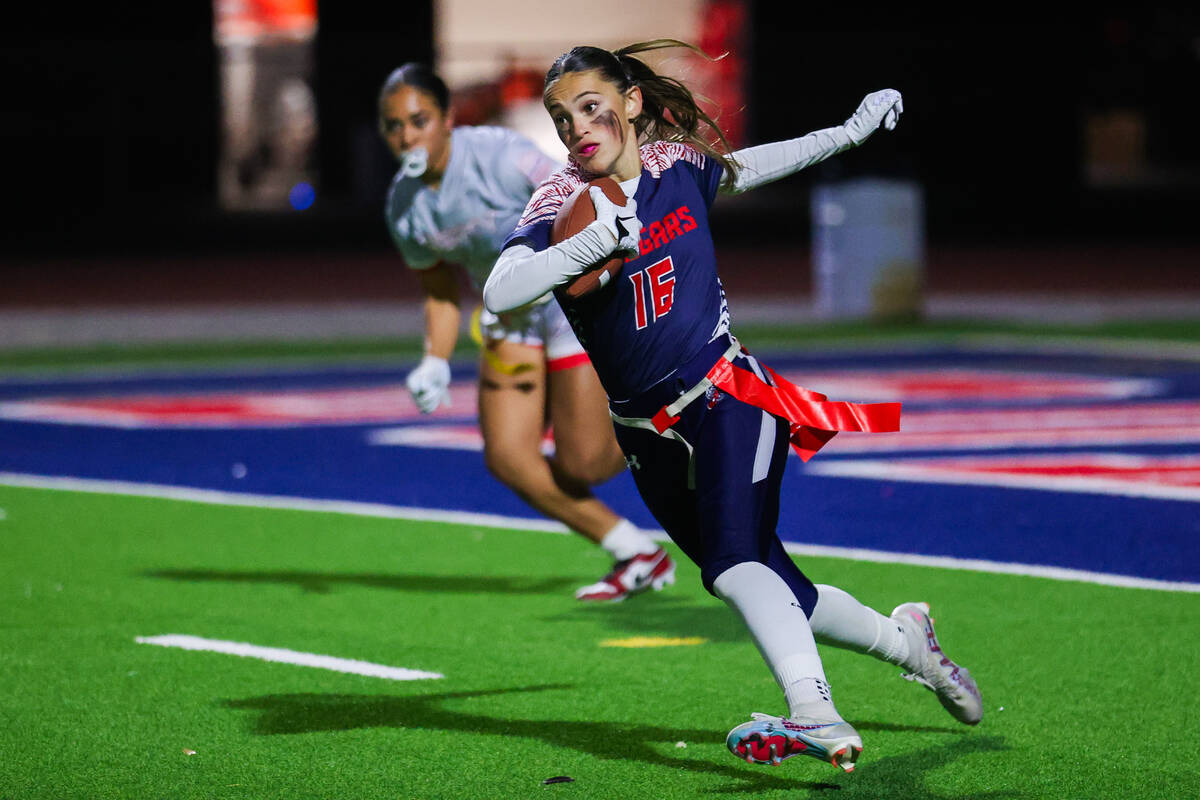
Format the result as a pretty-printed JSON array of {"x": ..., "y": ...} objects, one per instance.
[{"x": 576, "y": 213}]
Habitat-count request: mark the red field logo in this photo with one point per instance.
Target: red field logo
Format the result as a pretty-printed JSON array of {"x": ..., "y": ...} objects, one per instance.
[{"x": 391, "y": 402}]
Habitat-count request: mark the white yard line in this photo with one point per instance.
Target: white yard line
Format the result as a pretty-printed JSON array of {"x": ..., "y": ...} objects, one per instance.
[
  {"x": 521, "y": 523},
  {"x": 282, "y": 656}
]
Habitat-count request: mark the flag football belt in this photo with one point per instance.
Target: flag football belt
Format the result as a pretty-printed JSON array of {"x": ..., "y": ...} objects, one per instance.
[{"x": 814, "y": 419}]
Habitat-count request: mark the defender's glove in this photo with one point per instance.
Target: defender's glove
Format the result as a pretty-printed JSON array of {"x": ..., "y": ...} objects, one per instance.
[
  {"x": 429, "y": 383},
  {"x": 620, "y": 221},
  {"x": 878, "y": 107}
]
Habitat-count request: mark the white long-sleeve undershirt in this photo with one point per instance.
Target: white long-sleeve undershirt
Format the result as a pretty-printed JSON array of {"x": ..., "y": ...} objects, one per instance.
[
  {"x": 522, "y": 275},
  {"x": 765, "y": 163}
]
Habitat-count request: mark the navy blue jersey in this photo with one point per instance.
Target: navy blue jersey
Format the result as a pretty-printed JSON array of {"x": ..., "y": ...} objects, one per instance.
[{"x": 666, "y": 303}]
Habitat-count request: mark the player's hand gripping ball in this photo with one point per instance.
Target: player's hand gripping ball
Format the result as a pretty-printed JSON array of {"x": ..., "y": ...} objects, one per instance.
[{"x": 578, "y": 211}]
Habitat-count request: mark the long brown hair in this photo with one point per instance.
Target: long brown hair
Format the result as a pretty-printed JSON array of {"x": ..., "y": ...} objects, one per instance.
[{"x": 669, "y": 110}]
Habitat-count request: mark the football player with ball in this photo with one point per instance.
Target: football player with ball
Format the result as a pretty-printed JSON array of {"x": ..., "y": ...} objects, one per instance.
[
  {"x": 704, "y": 424},
  {"x": 458, "y": 193}
]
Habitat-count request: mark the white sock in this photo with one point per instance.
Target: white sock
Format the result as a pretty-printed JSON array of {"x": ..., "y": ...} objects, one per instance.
[
  {"x": 625, "y": 541},
  {"x": 841, "y": 620},
  {"x": 780, "y": 629}
]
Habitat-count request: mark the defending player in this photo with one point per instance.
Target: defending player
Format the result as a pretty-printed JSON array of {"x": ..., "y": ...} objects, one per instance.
[
  {"x": 691, "y": 407},
  {"x": 457, "y": 195}
]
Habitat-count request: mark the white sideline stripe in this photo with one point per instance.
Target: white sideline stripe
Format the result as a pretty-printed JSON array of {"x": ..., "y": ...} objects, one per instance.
[
  {"x": 220, "y": 498},
  {"x": 523, "y": 524},
  {"x": 282, "y": 656}
]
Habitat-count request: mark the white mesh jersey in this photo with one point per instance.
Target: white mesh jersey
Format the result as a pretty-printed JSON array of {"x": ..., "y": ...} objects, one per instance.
[{"x": 488, "y": 181}]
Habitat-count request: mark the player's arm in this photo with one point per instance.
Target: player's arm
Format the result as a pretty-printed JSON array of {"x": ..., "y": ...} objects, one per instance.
[
  {"x": 522, "y": 274},
  {"x": 770, "y": 162},
  {"x": 429, "y": 382},
  {"x": 442, "y": 310}
]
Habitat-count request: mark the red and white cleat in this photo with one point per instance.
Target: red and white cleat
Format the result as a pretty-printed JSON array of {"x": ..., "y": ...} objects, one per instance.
[{"x": 632, "y": 576}]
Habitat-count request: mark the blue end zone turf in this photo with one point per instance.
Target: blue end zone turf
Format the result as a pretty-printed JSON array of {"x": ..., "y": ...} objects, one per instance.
[{"x": 1129, "y": 507}]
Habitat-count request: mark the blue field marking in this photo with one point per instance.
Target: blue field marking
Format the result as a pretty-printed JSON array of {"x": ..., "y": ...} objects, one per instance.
[
  {"x": 1118, "y": 535},
  {"x": 1135, "y": 536}
]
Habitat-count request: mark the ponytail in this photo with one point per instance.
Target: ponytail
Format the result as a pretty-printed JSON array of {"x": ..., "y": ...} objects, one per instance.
[{"x": 670, "y": 112}]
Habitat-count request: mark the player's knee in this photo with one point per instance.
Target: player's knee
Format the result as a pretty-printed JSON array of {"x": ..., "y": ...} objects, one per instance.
[
  {"x": 799, "y": 584},
  {"x": 506, "y": 467},
  {"x": 590, "y": 465},
  {"x": 713, "y": 568}
]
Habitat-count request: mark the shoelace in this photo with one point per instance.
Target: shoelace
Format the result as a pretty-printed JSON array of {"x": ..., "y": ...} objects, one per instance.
[{"x": 915, "y": 678}]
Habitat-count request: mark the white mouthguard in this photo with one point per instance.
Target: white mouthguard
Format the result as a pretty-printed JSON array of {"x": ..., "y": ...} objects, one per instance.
[{"x": 414, "y": 162}]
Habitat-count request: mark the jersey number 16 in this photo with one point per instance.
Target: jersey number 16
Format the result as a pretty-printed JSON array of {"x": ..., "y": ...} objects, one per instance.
[{"x": 653, "y": 292}]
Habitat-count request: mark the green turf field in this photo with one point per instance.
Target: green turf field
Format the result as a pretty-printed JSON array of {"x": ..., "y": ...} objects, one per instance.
[{"x": 1088, "y": 689}]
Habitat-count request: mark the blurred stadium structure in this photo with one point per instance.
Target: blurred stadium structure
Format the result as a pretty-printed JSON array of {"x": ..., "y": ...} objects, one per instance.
[
  {"x": 1057, "y": 161},
  {"x": 268, "y": 111}
]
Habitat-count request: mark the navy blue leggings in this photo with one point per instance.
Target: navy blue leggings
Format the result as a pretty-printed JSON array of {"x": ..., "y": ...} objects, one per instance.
[{"x": 721, "y": 503}]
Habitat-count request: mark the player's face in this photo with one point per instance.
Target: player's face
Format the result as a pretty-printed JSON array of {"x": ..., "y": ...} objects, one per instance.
[
  {"x": 593, "y": 120},
  {"x": 410, "y": 118}
]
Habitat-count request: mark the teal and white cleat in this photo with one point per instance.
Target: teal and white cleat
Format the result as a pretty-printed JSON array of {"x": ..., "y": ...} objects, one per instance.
[
  {"x": 769, "y": 740},
  {"x": 933, "y": 669}
]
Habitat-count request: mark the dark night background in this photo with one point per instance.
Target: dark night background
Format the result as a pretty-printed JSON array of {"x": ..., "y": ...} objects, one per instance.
[{"x": 110, "y": 128}]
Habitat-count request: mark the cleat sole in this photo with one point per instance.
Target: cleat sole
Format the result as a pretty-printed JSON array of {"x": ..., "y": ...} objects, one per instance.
[
  {"x": 772, "y": 747},
  {"x": 845, "y": 758}
]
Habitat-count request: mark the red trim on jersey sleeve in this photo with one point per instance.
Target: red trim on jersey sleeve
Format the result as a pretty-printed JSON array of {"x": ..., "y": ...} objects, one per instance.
[
  {"x": 658, "y": 157},
  {"x": 548, "y": 198}
]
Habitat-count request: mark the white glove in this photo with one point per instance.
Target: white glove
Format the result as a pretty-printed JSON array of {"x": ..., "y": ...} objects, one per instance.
[
  {"x": 620, "y": 221},
  {"x": 429, "y": 383},
  {"x": 884, "y": 106}
]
